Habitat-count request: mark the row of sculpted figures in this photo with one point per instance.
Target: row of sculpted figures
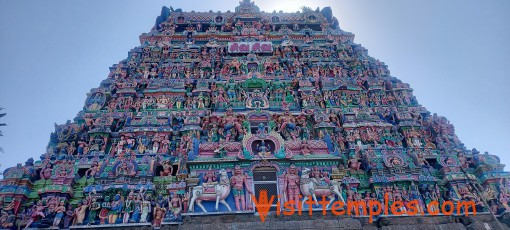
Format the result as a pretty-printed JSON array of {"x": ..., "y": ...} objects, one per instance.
[{"x": 61, "y": 193}]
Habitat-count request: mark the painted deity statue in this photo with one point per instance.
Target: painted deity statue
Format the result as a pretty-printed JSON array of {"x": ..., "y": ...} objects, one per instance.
[
  {"x": 105, "y": 209},
  {"x": 37, "y": 211},
  {"x": 175, "y": 205},
  {"x": 230, "y": 123},
  {"x": 238, "y": 182},
  {"x": 81, "y": 211},
  {"x": 288, "y": 124},
  {"x": 261, "y": 129},
  {"x": 354, "y": 163},
  {"x": 93, "y": 211},
  {"x": 146, "y": 208},
  {"x": 128, "y": 208},
  {"x": 167, "y": 168},
  {"x": 59, "y": 214},
  {"x": 137, "y": 205},
  {"x": 263, "y": 150},
  {"x": 93, "y": 170},
  {"x": 46, "y": 172},
  {"x": 210, "y": 180},
  {"x": 115, "y": 209},
  {"x": 231, "y": 90},
  {"x": 291, "y": 185},
  {"x": 305, "y": 150},
  {"x": 159, "y": 215},
  {"x": 125, "y": 169}
]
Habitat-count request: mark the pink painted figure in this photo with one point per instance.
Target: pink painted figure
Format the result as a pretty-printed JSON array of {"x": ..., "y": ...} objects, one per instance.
[
  {"x": 81, "y": 211},
  {"x": 167, "y": 168},
  {"x": 353, "y": 163},
  {"x": 159, "y": 214},
  {"x": 238, "y": 182},
  {"x": 304, "y": 148},
  {"x": 230, "y": 122},
  {"x": 37, "y": 211},
  {"x": 291, "y": 185},
  {"x": 46, "y": 172},
  {"x": 91, "y": 172},
  {"x": 176, "y": 205},
  {"x": 210, "y": 177},
  {"x": 316, "y": 173}
]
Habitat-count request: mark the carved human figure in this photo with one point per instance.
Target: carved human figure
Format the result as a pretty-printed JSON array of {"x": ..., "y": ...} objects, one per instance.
[
  {"x": 395, "y": 161},
  {"x": 464, "y": 163},
  {"x": 185, "y": 201},
  {"x": 494, "y": 207},
  {"x": 81, "y": 211},
  {"x": 59, "y": 214},
  {"x": 137, "y": 209},
  {"x": 167, "y": 168},
  {"x": 230, "y": 122},
  {"x": 465, "y": 192},
  {"x": 210, "y": 180},
  {"x": 503, "y": 199},
  {"x": 52, "y": 203},
  {"x": 305, "y": 150},
  {"x": 450, "y": 161},
  {"x": 316, "y": 173},
  {"x": 7, "y": 220},
  {"x": 238, "y": 182},
  {"x": 46, "y": 172},
  {"x": 175, "y": 205},
  {"x": 125, "y": 169},
  {"x": 201, "y": 101},
  {"x": 422, "y": 161},
  {"x": 263, "y": 150},
  {"x": 182, "y": 164},
  {"x": 115, "y": 209},
  {"x": 37, "y": 211},
  {"x": 130, "y": 142},
  {"x": 291, "y": 185},
  {"x": 93, "y": 209},
  {"x": 146, "y": 207},
  {"x": 69, "y": 214},
  {"x": 155, "y": 143},
  {"x": 159, "y": 214},
  {"x": 261, "y": 129},
  {"x": 91, "y": 172},
  {"x": 165, "y": 144},
  {"x": 120, "y": 144},
  {"x": 105, "y": 208},
  {"x": 353, "y": 163},
  {"x": 127, "y": 208},
  {"x": 288, "y": 124}
]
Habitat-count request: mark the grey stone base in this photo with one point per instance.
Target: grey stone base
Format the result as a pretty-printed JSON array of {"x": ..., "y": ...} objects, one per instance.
[
  {"x": 250, "y": 221},
  {"x": 318, "y": 221}
]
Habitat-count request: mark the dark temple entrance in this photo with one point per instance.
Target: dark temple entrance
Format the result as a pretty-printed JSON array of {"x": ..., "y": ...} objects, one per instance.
[{"x": 265, "y": 178}]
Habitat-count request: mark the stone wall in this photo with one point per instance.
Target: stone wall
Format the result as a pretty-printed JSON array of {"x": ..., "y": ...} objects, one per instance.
[{"x": 318, "y": 221}]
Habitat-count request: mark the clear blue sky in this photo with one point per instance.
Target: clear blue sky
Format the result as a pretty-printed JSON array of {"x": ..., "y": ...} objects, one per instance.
[{"x": 455, "y": 54}]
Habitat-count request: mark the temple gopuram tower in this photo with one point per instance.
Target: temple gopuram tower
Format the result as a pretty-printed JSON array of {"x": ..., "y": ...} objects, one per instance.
[{"x": 214, "y": 107}]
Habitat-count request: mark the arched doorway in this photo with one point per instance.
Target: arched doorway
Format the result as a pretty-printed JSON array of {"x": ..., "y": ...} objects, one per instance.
[{"x": 265, "y": 178}]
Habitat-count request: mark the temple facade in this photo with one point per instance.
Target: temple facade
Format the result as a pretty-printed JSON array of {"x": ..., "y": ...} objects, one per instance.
[{"x": 214, "y": 107}]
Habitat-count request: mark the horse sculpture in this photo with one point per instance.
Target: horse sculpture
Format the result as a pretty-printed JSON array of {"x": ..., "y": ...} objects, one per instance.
[
  {"x": 310, "y": 187},
  {"x": 221, "y": 191}
]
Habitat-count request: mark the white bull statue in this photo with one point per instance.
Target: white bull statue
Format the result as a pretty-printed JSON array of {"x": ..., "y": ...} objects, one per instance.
[
  {"x": 310, "y": 187},
  {"x": 221, "y": 191}
]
